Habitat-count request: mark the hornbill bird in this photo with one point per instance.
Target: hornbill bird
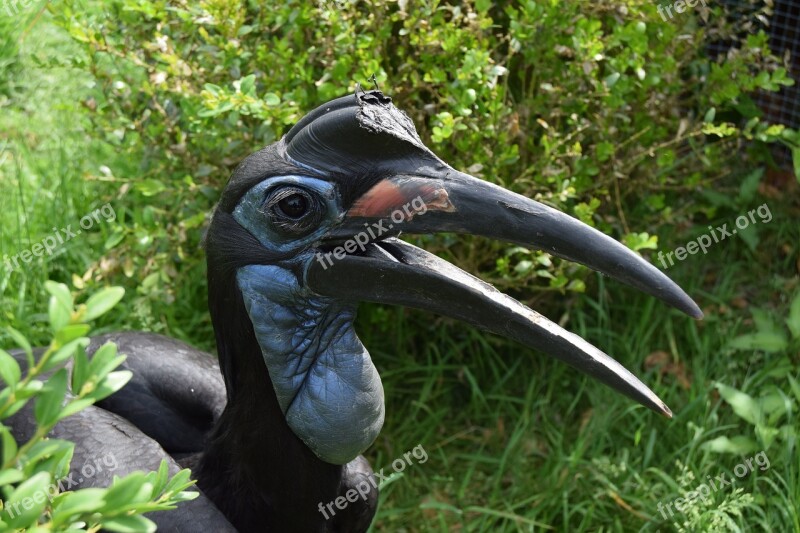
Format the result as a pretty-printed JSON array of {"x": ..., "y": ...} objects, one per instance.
[{"x": 305, "y": 230}]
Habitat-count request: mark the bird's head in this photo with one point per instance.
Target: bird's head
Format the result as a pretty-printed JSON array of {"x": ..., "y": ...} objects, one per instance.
[{"x": 307, "y": 228}]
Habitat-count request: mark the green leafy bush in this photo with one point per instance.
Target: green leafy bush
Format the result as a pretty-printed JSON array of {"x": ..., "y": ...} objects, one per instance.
[
  {"x": 31, "y": 473},
  {"x": 601, "y": 109}
]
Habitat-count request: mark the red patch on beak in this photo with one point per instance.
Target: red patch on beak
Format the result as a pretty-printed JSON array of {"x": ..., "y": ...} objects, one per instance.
[{"x": 393, "y": 194}]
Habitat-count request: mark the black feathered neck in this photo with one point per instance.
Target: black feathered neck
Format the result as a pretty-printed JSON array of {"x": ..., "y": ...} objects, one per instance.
[{"x": 254, "y": 468}]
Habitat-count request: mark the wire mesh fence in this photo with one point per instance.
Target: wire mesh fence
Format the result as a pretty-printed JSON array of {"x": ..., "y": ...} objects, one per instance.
[{"x": 782, "y": 23}]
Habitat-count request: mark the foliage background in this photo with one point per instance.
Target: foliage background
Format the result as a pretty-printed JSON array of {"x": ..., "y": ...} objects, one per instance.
[{"x": 602, "y": 109}]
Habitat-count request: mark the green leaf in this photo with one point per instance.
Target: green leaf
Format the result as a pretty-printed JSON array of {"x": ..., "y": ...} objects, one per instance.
[
  {"x": 216, "y": 90},
  {"x": 11, "y": 475},
  {"x": 612, "y": 79},
  {"x": 71, "y": 332},
  {"x": 604, "y": 151},
  {"x": 179, "y": 482},
  {"x": 184, "y": 496},
  {"x": 150, "y": 187},
  {"x": 48, "y": 404},
  {"x": 796, "y": 161},
  {"x": 129, "y": 524},
  {"x": 23, "y": 343},
  {"x": 743, "y": 404},
  {"x": 161, "y": 477},
  {"x": 9, "y": 450},
  {"x": 27, "y": 502},
  {"x": 766, "y": 435},
  {"x": 640, "y": 241},
  {"x": 32, "y": 387},
  {"x": 793, "y": 321},
  {"x": 248, "y": 85},
  {"x": 133, "y": 488},
  {"x": 737, "y": 445},
  {"x": 195, "y": 220},
  {"x": 104, "y": 361},
  {"x": 523, "y": 267},
  {"x": 42, "y": 449},
  {"x": 795, "y": 387},
  {"x": 577, "y": 285},
  {"x": 75, "y": 406},
  {"x": 102, "y": 302},
  {"x": 769, "y": 336},
  {"x": 726, "y": 129},
  {"x": 58, "y": 314},
  {"x": 114, "y": 239},
  {"x": 65, "y": 352},
  {"x": 14, "y": 408},
  {"x": 218, "y": 110},
  {"x": 272, "y": 99},
  {"x": 749, "y": 186},
  {"x": 69, "y": 504},
  {"x": 50, "y": 455},
  {"x": 10, "y": 372},
  {"x": 80, "y": 369},
  {"x": 764, "y": 322},
  {"x": 110, "y": 384},
  {"x": 61, "y": 293},
  {"x": 768, "y": 341},
  {"x": 61, "y": 305},
  {"x": 750, "y": 237},
  {"x": 788, "y": 433},
  {"x": 717, "y": 199}
]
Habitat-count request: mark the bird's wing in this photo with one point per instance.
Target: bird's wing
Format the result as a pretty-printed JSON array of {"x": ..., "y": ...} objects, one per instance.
[
  {"x": 107, "y": 445},
  {"x": 176, "y": 393}
]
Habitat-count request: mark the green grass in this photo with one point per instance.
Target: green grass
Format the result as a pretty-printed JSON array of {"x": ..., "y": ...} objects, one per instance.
[
  {"x": 516, "y": 441},
  {"x": 519, "y": 441},
  {"x": 49, "y": 168}
]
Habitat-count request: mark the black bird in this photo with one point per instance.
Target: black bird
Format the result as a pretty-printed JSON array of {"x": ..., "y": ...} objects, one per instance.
[{"x": 306, "y": 228}]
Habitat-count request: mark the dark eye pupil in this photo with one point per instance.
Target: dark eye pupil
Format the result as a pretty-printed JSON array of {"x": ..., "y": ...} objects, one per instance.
[{"x": 294, "y": 206}]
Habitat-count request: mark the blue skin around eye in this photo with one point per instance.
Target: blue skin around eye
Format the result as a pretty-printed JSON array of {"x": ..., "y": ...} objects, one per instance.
[
  {"x": 325, "y": 382},
  {"x": 250, "y": 213}
]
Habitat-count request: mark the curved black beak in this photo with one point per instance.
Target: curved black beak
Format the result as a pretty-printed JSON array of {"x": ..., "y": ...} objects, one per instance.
[
  {"x": 395, "y": 272},
  {"x": 431, "y": 198},
  {"x": 392, "y": 183},
  {"x": 445, "y": 200}
]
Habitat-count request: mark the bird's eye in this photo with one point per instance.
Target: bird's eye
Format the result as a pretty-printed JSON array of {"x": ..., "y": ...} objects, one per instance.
[
  {"x": 294, "y": 210},
  {"x": 294, "y": 206}
]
